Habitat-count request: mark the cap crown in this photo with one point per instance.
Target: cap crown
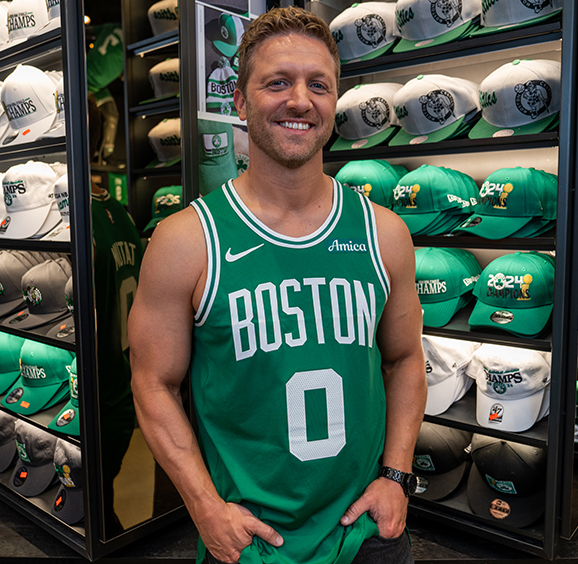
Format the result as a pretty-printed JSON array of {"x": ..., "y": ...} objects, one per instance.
[
  {"x": 517, "y": 281},
  {"x": 68, "y": 464},
  {"x": 28, "y": 186},
  {"x": 428, "y": 103},
  {"x": 35, "y": 446},
  {"x": 43, "y": 365},
  {"x": 43, "y": 286},
  {"x": 364, "y": 28},
  {"x": 26, "y": 17},
  {"x": 61, "y": 197},
  {"x": 521, "y": 92},
  {"x": 418, "y": 20},
  {"x": 508, "y": 12},
  {"x": 164, "y": 16},
  {"x": 440, "y": 449},
  {"x": 165, "y": 139},
  {"x": 165, "y": 77},
  {"x": 10, "y": 345}
]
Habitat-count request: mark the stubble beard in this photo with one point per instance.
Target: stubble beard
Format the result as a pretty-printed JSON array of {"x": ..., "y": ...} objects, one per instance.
[{"x": 263, "y": 138}]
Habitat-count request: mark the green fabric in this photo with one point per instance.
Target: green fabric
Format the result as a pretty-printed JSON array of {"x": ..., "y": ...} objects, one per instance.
[{"x": 105, "y": 61}]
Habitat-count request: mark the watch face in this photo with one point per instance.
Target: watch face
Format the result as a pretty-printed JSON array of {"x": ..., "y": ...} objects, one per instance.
[{"x": 411, "y": 483}]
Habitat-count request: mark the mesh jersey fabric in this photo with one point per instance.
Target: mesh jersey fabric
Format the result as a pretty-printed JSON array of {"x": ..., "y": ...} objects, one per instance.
[{"x": 286, "y": 375}]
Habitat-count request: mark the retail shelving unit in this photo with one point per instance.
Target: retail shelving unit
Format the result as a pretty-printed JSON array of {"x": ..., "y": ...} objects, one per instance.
[{"x": 555, "y": 433}]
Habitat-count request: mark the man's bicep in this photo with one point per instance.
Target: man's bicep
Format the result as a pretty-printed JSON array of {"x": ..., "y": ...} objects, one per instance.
[{"x": 162, "y": 316}]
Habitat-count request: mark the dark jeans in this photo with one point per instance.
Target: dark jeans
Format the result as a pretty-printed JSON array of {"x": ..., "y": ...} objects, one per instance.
[{"x": 375, "y": 550}]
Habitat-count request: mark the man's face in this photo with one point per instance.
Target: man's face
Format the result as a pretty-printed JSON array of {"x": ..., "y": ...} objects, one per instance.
[{"x": 290, "y": 98}]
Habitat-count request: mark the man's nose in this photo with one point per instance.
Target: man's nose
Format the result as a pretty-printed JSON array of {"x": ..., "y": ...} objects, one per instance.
[{"x": 300, "y": 97}]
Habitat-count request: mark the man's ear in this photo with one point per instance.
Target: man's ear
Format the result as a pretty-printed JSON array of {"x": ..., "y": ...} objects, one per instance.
[{"x": 240, "y": 104}]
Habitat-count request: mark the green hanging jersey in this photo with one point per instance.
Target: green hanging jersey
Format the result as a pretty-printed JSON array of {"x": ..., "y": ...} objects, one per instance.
[{"x": 286, "y": 373}]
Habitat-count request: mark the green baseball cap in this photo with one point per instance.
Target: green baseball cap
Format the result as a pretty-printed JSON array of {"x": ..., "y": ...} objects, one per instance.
[
  {"x": 376, "y": 179},
  {"x": 43, "y": 380},
  {"x": 217, "y": 163},
  {"x": 425, "y": 195},
  {"x": 444, "y": 280},
  {"x": 68, "y": 420},
  {"x": 228, "y": 37},
  {"x": 509, "y": 199},
  {"x": 515, "y": 293},
  {"x": 166, "y": 201},
  {"x": 10, "y": 345}
]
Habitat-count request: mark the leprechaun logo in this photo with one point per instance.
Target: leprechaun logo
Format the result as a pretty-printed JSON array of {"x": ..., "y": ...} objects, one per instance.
[
  {"x": 537, "y": 5},
  {"x": 533, "y": 98},
  {"x": 446, "y": 12},
  {"x": 375, "y": 112},
  {"x": 370, "y": 30},
  {"x": 438, "y": 106},
  {"x": 32, "y": 295}
]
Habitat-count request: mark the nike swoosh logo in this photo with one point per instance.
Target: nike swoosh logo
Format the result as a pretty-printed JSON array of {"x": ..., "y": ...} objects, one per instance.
[{"x": 230, "y": 257}]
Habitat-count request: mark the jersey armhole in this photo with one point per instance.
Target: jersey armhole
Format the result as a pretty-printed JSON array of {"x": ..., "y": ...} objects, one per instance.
[
  {"x": 373, "y": 241},
  {"x": 213, "y": 261}
]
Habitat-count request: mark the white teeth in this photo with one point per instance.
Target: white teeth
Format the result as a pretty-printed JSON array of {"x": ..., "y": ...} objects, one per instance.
[{"x": 295, "y": 125}]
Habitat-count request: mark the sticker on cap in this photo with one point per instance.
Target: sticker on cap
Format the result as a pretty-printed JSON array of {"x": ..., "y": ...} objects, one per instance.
[
  {"x": 502, "y": 317},
  {"x": 496, "y": 413},
  {"x": 423, "y": 462},
  {"x": 66, "y": 418},
  {"x": 418, "y": 140},
  {"x": 504, "y": 133},
  {"x": 60, "y": 500},
  {"x": 499, "y": 509},
  {"x": 359, "y": 144},
  {"x": 14, "y": 395},
  {"x": 501, "y": 485}
]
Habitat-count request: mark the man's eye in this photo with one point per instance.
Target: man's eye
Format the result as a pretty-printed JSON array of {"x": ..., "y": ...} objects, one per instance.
[{"x": 318, "y": 86}]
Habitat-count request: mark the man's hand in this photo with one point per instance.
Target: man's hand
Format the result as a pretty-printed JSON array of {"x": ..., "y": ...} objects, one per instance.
[
  {"x": 385, "y": 503},
  {"x": 228, "y": 531}
]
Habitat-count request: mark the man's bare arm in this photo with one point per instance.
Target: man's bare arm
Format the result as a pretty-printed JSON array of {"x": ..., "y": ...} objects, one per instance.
[
  {"x": 403, "y": 367},
  {"x": 160, "y": 336}
]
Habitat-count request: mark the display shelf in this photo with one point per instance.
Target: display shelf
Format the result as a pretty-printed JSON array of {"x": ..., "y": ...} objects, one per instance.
[
  {"x": 466, "y": 47},
  {"x": 457, "y": 503},
  {"x": 451, "y": 146},
  {"x": 160, "y": 171},
  {"x": 38, "y": 335},
  {"x": 462, "y": 415},
  {"x": 43, "y": 418},
  {"x": 32, "y": 245},
  {"x": 458, "y": 328},
  {"x": 546, "y": 242},
  {"x": 154, "y": 43},
  {"x": 158, "y": 107},
  {"x": 31, "y": 49}
]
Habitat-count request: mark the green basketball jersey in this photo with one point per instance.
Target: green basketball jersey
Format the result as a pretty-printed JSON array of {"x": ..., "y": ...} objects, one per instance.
[
  {"x": 117, "y": 258},
  {"x": 286, "y": 374}
]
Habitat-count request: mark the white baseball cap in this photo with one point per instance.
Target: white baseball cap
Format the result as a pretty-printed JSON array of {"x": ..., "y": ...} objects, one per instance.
[
  {"x": 3, "y": 24},
  {"x": 434, "y": 107},
  {"x": 165, "y": 139},
  {"x": 511, "y": 386},
  {"x": 53, "y": 17},
  {"x": 165, "y": 80},
  {"x": 364, "y": 116},
  {"x": 25, "y": 18},
  {"x": 62, "y": 230},
  {"x": 164, "y": 16},
  {"x": 519, "y": 98},
  {"x": 28, "y": 196},
  {"x": 512, "y": 14},
  {"x": 364, "y": 31},
  {"x": 58, "y": 128},
  {"x": 434, "y": 22},
  {"x": 446, "y": 362},
  {"x": 29, "y": 99}
]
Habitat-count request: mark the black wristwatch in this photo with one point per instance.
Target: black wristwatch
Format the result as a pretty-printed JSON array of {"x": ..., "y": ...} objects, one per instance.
[{"x": 408, "y": 481}]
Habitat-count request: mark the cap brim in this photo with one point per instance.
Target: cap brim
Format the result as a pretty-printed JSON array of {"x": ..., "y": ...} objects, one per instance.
[
  {"x": 32, "y": 400},
  {"x": 7, "y": 380},
  {"x": 374, "y": 54},
  {"x": 524, "y": 510},
  {"x": 20, "y": 320},
  {"x": 498, "y": 29},
  {"x": 527, "y": 322},
  {"x": 67, "y": 421},
  {"x": 491, "y": 226},
  {"x": 26, "y": 223},
  {"x": 484, "y": 129},
  {"x": 515, "y": 415},
  {"x": 38, "y": 480},
  {"x": 57, "y": 130},
  {"x": 64, "y": 330},
  {"x": 455, "y": 129},
  {"x": 72, "y": 508},
  {"x": 8, "y": 454},
  {"x": 29, "y": 133},
  {"x": 225, "y": 48},
  {"x": 159, "y": 99},
  {"x": 442, "y": 485},
  {"x": 60, "y": 233},
  {"x": 465, "y": 29},
  {"x": 54, "y": 23},
  {"x": 153, "y": 223},
  {"x": 10, "y": 307},
  {"x": 342, "y": 144},
  {"x": 438, "y": 314},
  {"x": 417, "y": 222},
  {"x": 163, "y": 164}
]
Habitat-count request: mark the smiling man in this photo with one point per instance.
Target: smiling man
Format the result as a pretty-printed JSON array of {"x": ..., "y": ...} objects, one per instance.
[{"x": 301, "y": 302}]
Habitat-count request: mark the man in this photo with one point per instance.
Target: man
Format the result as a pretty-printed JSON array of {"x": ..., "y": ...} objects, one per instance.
[{"x": 284, "y": 276}]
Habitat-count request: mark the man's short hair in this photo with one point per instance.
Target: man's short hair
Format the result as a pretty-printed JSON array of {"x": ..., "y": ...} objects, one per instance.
[{"x": 282, "y": 21}]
